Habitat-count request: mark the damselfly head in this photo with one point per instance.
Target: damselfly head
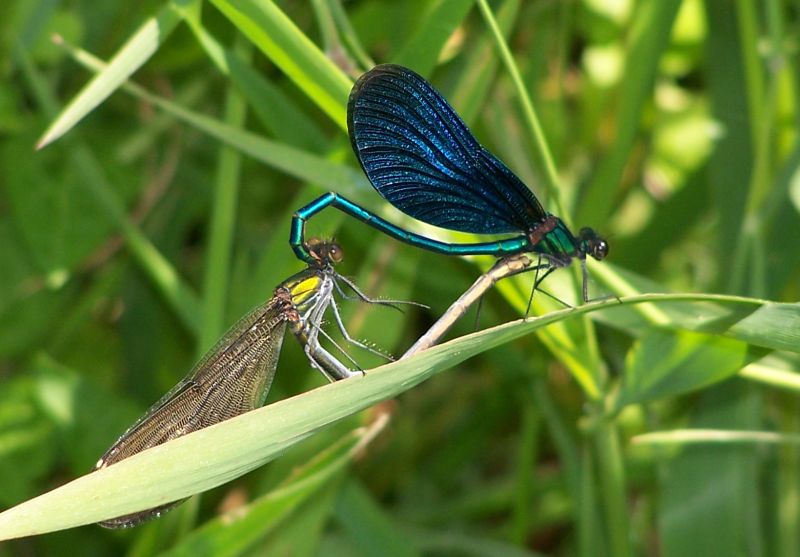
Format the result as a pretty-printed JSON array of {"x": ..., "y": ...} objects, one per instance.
[
  {"x": 592, "y": 244},
  {"x": 324, "y": 252}
]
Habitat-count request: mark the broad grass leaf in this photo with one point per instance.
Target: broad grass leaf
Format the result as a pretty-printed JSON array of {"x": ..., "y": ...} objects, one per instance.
[
  {"x": 666, "y": 363},
  {"x": 239, "y": 530}
]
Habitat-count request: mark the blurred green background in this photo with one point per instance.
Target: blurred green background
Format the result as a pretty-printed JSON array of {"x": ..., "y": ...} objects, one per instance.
[{"x": 132, "y": 242}]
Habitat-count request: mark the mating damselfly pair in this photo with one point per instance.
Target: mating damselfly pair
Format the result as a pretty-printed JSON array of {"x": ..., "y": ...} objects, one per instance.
[{"x": 421, "y": 157}]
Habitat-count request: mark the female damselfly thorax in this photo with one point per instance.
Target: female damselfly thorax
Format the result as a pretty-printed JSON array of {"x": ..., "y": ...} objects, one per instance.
[
  {"x": 234, "y": 377},
  {"x": 421, "y": 157},
  {"x": 313, "y": 292}
]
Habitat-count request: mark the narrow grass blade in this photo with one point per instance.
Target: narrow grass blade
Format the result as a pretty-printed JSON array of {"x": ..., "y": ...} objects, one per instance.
[
  {"x": 133, "y": 54},
  {"x": 300, "y": 59},
  {"x": 422, "y": 49},
  {"x": 296, "y": 162}
]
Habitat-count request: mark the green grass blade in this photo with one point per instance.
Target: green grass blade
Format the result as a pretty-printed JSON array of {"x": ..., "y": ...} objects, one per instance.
[
  {"x": 238, "y": 531},
  {"x": 732, "y": 161},
  {"x": 223, "y": 223},
  {"x": 678, "y": 437},
  {"x": 134, "y": 53},
  {"x": 348, "y": 35},
  {"x": 649, "y": 38},
  {"x": 276, "y": 111},
  {"x": 543, "y": 152},
  {"x": 282, "y": 42},
  {"x": 372, "y": 531},
  {"x": 663, "y": 364},
  {"x": 295, "y": 162},
  {"x": 711, "y": 489},
  {"x": 223, "y": 452},
  {"x": 219, "y": 454},
  {"x": 181, "y": 297},
  {"x": 772, "y": 376},
  {"x": 471, "y": 90},
  {"x": 422, "y": 49}
]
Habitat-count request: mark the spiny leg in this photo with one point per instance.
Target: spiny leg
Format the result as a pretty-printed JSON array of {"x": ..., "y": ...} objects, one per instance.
[
  {"x": 340, "y": 349},
  {"x": 548, "y": 266},
  {"x": 340, "y": 324},
  {"x": 545, "y": 292},
  {"x": 478, "y": 313},
  {"x": 364, "y": 298},
  {"x": 325, "y": 363},
  {"x": 318, "y": 357},
  {"x": 536, "y": 268},
  {"x": 536, "y": 281}
]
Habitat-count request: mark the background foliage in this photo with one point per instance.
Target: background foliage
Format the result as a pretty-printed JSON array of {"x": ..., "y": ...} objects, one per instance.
[{"x": 133, "y": 240}]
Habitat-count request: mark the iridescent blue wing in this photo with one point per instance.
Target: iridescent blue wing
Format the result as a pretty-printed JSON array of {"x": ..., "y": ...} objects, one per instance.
[{"x": 423, "y": 159}]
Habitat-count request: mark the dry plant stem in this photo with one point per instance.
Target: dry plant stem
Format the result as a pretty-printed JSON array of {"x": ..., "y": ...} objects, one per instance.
[{"x": 503, "y": 268}]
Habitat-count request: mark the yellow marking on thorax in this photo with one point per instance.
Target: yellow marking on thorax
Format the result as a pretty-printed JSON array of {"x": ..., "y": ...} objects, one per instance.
[{"x": 304, "y": 289}]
